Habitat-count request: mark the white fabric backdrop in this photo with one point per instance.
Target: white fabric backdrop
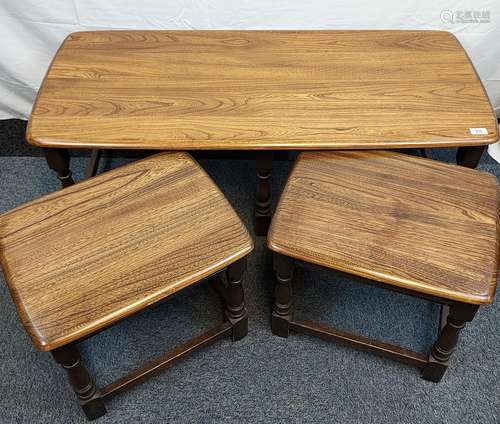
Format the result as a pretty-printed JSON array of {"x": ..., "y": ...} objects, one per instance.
[{"x": 31, "y": 30}]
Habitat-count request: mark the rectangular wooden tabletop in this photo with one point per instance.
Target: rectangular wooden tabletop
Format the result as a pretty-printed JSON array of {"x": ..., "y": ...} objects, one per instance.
[{"x": 261, "y": 90}]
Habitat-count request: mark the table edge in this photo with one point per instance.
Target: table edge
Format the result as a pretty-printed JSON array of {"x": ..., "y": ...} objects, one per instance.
[{"x": 44, "y": 142}]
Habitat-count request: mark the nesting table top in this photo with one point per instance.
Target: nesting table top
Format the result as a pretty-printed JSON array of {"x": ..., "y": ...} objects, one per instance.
[
  {"x": 261, "y": 90},
  {"x": 409, "y": 222},
  {"x": 82, "y": 258}
]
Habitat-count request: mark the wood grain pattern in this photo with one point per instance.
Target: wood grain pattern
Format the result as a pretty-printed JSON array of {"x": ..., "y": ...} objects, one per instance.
[
  {"x": 261, "y": 90},
  {"x": 406, "y": 221},
  {"x": 82, "y": 258}
]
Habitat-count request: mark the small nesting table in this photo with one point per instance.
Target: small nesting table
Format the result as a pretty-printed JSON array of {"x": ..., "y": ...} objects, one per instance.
[
  {"x": 262, "y": 91},
  {"x": 81, "y": 259},
  {"x": 408, "y": 224}
]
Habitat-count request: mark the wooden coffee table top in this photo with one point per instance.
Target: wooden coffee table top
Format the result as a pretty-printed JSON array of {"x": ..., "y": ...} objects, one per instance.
[
  {"x": 82, "y": 258},
  {"x": 261, "y": 90},
  {"x": 409, "y": 222}
]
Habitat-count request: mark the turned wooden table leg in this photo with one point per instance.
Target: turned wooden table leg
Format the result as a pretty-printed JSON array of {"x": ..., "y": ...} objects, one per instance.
[
  {"x": 262, "y": 217},
  {"x": 283, "y": 302},
  {"x": 470, "y": 156},
  {"x": 235, "y": 299},
  {"x": 83, "y": 385},
  {"x": 58, "y": 161},
  {"x": 442, "y": 350}
]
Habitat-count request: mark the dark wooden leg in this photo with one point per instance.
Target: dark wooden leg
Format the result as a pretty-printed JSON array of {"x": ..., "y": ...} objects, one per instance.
[
  {"x": 83, "y": 385},
  {"x": 470, "y": 156},
  {"x": 235, "y": 299},
  {"x": 283, "y": 302},
  {"x": 262, "y": 217},
  {"x": 459, "y": 314},
  {"x": 58, "y": 161},
  {"x": 93, "y": 164}
]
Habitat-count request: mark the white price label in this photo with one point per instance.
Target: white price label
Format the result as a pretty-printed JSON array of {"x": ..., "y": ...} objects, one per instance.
[{"x": 478, "y": 131}]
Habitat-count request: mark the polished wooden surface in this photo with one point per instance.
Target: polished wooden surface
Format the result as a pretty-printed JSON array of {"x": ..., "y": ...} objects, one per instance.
[
  {"x": 410, "y": 222},
  {"x": 261, "y": 90},
  {"x": 84, "y": 257}
]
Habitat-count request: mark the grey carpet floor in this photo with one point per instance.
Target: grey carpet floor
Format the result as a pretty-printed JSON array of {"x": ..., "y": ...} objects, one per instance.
[{"x": 263, "y": 378}]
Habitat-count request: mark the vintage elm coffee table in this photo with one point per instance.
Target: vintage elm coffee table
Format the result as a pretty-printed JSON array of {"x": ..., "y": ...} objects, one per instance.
[{"x": 260, "y": 90}]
